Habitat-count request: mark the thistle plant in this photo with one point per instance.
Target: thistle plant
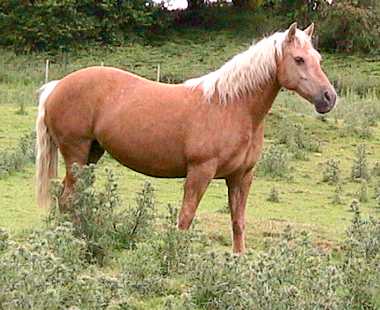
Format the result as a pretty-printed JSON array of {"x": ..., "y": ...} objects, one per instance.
[
  {"x": 355, "y": 206},
  {"x": 363, "y": 191},
  {"x": 274, "y": 195},
  {"x": 337, "y": 197},
  {"x": 331, "y": 173},
  {"x": 360, "y": 167}
]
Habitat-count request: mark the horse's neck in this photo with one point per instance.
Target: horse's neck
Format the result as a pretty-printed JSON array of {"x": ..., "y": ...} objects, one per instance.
[{"x": 260, "y": 102}]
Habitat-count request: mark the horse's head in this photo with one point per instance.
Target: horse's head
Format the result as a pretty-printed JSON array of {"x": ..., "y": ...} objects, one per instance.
[{"x": 299, "y": 69}]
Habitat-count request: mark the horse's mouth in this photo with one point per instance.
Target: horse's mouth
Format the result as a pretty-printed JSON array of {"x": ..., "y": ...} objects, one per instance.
[{"x": 323, "y": 107}]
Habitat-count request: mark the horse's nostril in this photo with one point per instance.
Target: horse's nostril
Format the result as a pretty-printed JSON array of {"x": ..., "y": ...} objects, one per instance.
[{"x": 327, "y": 96}]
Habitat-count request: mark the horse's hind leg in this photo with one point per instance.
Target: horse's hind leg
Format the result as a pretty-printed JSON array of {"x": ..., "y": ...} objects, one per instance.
[
  {"x": 77, "y": 152},
  {"x": 96, "y": 152}
]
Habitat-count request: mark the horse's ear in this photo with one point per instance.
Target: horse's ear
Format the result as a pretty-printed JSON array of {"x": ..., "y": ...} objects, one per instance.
[
  {"x": 310, "y": 30},
  {"x": 292, "y": 32}
]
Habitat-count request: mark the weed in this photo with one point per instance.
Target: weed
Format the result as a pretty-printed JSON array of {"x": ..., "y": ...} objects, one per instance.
[
  {"x": 363, "y": 191},
  {"x": 331, "y": 173},
  {"x": 338, "y": 193},
  {"x": 275, "y": 162},
  {"x": 15, "y": 160},
  {"x": 274, "y": 195},
  {"x": 360, "y": 169}
]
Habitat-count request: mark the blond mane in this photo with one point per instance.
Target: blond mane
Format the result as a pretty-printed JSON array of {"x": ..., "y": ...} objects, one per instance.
[{"x": 246, "y": 72}]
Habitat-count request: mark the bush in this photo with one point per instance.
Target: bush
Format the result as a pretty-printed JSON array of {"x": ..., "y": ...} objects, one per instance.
[
  {"x": 376, "y": 169},
  {"x": 48, "y": 271},
  {"x": 50, "y": 25},
  {"x": 331, "y": 173},
  {"x": 275, "y": 162},
  {"x": 360, "y": 266},
  {"x": 99, "y": 218},
  {"x": 363, "y": 191},
  {"x": 274, "y": 195},
  {"x": 291, "y": 275},
  {"x": 350, "y": 25},
  {"x": 14, "y": 160},
  {"x": 359, "y": 169},
  {"x": 296, "y": 139},
  {"x": 337, "y": 197},
  {"x": 345, "y": 25}
]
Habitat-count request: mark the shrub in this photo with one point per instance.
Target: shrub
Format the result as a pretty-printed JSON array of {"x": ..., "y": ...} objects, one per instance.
[
  {"x": 275, "y": 162},
  {"x": 148, "y": 267},
  {"x": 360, "y": 266},
  {"x": 359, "y": 169},
  {"x": 297, "y": 140},
  {"x": 4, "y": 240},
  {"x": 15, "y": 160},
  {"x": 363, "y": 191},
  {"x": 99, "y": 218},
  {"x": 290, "y": 275},
  {"x": 376, "y": 169},
  {"x": 331, "y": 173},
  {"x": 350, "y": 25},
  {"x": 355, "y": 206},
  {"x": 48, "y": 271},
  {"x": 274, "y": 195},
  {"x": 337, "y": 197},
  {"x": 377, "y": 188},
  {"x": 52, "y": 25}
]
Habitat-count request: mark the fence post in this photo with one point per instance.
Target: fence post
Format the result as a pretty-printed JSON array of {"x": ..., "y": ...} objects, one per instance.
[
  {"x": 158, "y": 72},
  {"x": 47, "y": 71}
]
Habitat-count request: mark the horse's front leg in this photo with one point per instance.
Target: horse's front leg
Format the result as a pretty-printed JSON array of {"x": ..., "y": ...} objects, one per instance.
[
  {"x": 197, "y": 179},
  {"x": 238, "y": 189}
]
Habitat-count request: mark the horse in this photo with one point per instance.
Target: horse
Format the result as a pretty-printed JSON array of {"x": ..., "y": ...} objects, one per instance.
[{"x": 210, "y": 127}]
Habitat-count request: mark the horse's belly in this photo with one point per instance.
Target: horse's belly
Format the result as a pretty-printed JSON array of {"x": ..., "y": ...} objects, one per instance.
[{"x": 153, "y": 159}]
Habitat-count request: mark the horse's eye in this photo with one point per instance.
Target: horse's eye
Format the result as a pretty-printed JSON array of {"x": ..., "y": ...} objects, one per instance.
[{"x": 299, "y": 60}]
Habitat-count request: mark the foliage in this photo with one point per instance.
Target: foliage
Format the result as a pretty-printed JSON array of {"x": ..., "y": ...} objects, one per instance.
[
  {"x": 363, "y": 191},
  {"x": 359, "y": 168},
  {"x": 99, "y": 218},
  {"x": 360, "y": 266},
  {"x": 15, "y": 160},
  {"x": 350, "y": 25},
  {"x": 274, "y": 195},
  {"x": 331, "y": 173},
  {"x": 355, "y": 206},
  {"x": 45, "y": 25},
  {"x": 376, "y": 169},
  {"x": 46, "y": 271},
  {"x": 297, "y": 140},
  {"x": 337, "y": 197},
  {"x": 347, "y": 25},
  {"x": 50, "y": 269},
  {"x": 275, "y": 162}
]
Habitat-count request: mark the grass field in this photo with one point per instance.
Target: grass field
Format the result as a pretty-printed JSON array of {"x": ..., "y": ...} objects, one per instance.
[{"x": 305, "y": 201}]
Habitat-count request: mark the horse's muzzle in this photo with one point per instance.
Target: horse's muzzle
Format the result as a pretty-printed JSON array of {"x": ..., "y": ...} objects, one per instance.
[{"x": 325, "y": 101}]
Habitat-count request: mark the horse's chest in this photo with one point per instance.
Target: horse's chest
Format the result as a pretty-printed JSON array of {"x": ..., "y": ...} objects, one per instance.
[{"x": 244, "y": 155}]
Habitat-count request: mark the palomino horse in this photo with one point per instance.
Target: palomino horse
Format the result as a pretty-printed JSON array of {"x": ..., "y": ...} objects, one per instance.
[{"x": 207, "y": 128}]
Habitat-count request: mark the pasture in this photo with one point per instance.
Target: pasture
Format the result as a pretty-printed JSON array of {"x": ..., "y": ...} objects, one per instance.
[{"x": 295, "y": 166}]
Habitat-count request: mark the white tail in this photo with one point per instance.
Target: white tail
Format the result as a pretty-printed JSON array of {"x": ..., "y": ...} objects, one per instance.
[{"x": 47, "y": 152}]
